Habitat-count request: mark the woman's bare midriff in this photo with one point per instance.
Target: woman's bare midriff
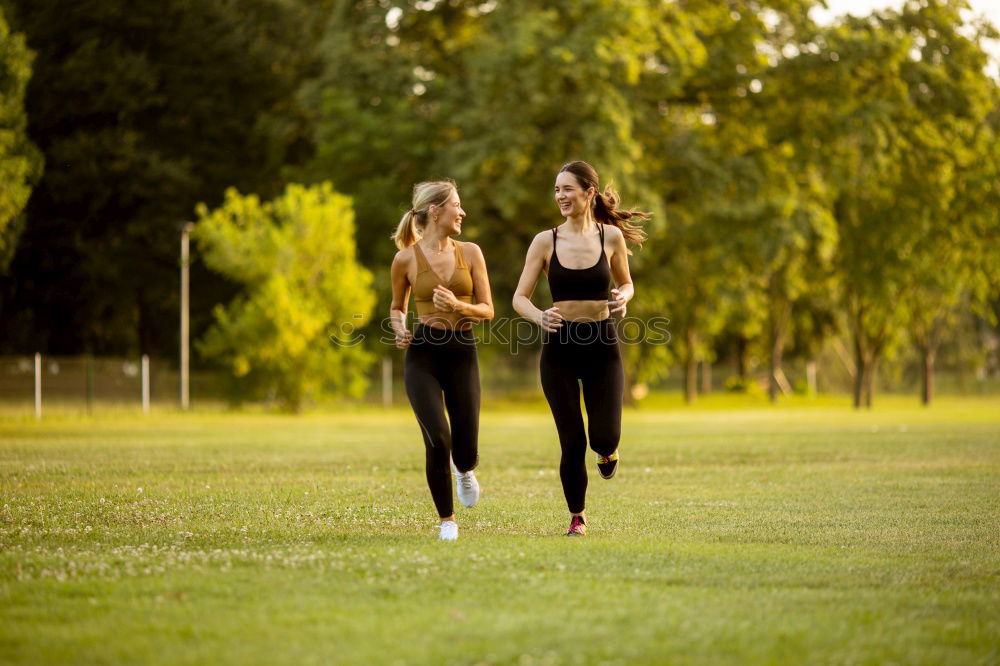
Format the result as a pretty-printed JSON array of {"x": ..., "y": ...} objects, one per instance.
[
  {"x": 583, "y": 310},
  {"x": 443, "y": 320}
]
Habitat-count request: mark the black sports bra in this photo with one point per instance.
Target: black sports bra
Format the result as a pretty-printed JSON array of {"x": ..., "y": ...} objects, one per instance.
[{"x": 579, "y": 284}]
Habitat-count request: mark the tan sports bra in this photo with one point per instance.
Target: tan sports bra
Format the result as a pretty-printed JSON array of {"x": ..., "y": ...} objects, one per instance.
[{"x": 460, "y": 283}]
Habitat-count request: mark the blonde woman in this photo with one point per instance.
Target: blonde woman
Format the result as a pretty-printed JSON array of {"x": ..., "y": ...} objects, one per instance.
[
  {"x": 441, "y": 370},
  {"x": 581, "y": 257}
]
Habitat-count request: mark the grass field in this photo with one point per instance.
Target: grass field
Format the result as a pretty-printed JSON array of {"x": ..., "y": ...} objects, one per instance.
[{"x": 730, "y": 535}]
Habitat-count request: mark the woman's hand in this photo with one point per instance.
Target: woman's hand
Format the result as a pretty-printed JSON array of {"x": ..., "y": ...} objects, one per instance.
[
  {"x": 403, "y": 338},
  {"x": 551, "y": 321},
  {"x": 618, "y": 302},
  {"x": 444, "y": 300}
]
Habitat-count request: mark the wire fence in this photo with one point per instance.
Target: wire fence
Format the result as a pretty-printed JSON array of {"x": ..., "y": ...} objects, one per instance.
[{"x": 83, "y": 383}]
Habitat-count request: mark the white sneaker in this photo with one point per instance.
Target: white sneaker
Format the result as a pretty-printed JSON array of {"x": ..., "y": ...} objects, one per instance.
[
  {"x": 449, "y": 530},
  {"x": 468, "y": 488}
]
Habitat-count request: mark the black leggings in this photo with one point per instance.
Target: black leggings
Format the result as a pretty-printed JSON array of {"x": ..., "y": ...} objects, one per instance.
[
  {"x": 584, "y": 352},
  {"x": 440, "y": 361}
]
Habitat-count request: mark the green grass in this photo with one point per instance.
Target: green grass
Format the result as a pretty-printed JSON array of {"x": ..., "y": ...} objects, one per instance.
[{"x": 730, "y": 535}]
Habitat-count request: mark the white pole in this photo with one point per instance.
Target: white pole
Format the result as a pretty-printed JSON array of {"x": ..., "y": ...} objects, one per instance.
[
  {"x": 145, "y": 384},
  {"x": 185, "y": 297},
  {"x": 38, "y": 386},
  {"x": 387, "y": 381}
]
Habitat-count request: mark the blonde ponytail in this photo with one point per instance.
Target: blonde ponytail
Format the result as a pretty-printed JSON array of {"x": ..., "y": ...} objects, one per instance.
[
  {"x": 414, "y": 221},
  {"x": 407, "y": 232}
]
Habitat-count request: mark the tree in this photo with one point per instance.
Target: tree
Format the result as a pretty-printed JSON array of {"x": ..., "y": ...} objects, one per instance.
[
  {"x": 953, "y": 167},
  {"x": 770, "y": 213},
  {"x": 20, "y": 162},
  {"x": 296, "y": 257},
  {"x": 793, "y": 235},
  {"x": 724, "y": 185},
  {"x": 923, "y": 201},
  {"x": 886, "y": 99}
]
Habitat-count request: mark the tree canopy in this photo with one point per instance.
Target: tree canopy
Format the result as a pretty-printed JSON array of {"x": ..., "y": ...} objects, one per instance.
[
  {"x": 807, "y": 181},
  {"x": 287, "y": 335}
]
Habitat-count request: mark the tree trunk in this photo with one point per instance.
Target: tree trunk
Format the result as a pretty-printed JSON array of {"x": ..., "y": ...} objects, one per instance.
[
  {"x": 863, "y": 385},
  {"x": 691, "y": 368},
  {"x": 772, "y": 375},
  {"x": 741, "y": 357},
  {"x": 861, "y": 368},
  {"x": 927, "y": 342},
  {"x": 927, "y": 394},
  {"x": 870, "y": 382},
  {"x": 779, "y": 325}
]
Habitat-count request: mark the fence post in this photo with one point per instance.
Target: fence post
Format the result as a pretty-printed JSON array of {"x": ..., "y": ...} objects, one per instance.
[
  {"x": 145, "y": 384},
  {"x": 387, "y": 381},
  {"x": 811, "y": 378},
  {"x": 38, "y": 386},
  {"x": 185, "y": 299}
]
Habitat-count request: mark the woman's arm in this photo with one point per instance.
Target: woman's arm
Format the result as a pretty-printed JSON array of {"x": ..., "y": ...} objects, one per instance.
[
  {"x": 482, "y": 310},
  {"x": 534, "y": 263},
  {"x": 625, "y": 290},
  {"x": 400, "y": 297}
]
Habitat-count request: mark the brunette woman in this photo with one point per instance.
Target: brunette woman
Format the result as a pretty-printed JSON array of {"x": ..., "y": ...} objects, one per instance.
[{"x": 581, "y": 257}]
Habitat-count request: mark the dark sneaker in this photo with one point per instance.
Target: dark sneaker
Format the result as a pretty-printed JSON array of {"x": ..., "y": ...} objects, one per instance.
[
  {"x": 577, "y": 527},
  {"x": 607, "y": 465}
]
